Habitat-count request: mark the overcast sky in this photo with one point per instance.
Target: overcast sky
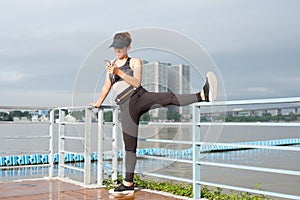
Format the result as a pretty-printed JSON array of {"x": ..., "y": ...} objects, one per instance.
[{"x": 255, "y": 44}]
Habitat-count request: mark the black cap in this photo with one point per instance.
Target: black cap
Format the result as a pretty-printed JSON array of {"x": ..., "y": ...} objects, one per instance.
[{"x": 119, "y": 44}]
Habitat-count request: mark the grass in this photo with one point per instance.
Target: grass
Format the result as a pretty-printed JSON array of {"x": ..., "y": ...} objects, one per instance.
[{"x": 186, "y": 190}]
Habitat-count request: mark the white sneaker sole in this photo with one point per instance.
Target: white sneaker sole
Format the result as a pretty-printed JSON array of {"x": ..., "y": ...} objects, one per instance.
[
  {"x": 124, "y": 193},
  {"x": 213, "y": 86}
]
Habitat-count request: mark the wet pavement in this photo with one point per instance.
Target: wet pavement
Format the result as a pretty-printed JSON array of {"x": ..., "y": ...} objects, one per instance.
[{"x": 56, "y": 189}]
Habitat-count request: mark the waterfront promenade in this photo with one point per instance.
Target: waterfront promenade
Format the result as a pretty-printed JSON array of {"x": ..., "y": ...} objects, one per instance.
[{"x": 56, "y": 189}]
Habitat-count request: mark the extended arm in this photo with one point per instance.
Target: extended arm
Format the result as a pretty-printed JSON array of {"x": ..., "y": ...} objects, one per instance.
[{"x": 105, "y": 90}]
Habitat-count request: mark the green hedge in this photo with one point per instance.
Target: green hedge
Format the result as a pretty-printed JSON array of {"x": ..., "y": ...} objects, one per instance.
[{"x": 186, "y": 190}]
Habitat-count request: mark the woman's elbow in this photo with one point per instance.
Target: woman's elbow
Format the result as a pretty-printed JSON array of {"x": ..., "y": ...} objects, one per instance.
[{"x": 138, "y": 84}]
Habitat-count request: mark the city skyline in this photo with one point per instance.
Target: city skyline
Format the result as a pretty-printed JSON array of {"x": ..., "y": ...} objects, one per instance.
[{"x": 254, "y": 44}]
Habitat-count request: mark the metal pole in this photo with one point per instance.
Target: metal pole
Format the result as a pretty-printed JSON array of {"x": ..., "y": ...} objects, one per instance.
[
  {"x": 114, "y": 175},
  {"x": 196, "y": 152},
  {"x": 51, "y": 144},
  {"x": 100, "y": 148},
  {"x": 88, "y": 146},
  {"x": 61, "y": 143}
]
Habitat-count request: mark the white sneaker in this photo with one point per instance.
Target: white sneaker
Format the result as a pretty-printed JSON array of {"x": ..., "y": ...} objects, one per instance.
[
  {"x": 122, "y": 190},
  {"x": 210, "y": 87}
]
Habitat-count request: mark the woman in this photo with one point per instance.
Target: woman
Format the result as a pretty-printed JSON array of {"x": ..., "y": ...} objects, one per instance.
[{"x": 124, "y": 75}]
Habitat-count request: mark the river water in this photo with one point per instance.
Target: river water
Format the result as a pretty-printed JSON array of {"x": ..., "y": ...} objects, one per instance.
[{"x": 254, "y": 157}]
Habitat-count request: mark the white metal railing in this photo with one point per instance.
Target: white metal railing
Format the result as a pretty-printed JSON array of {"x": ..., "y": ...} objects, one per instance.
[
  {"x": 62, "y": 138},
  {"x": 88, "y": 146},
  {"x": 196, "y": 146},
  {"x": 101, "y": 138},
  {"x": 28, "y": 154}
]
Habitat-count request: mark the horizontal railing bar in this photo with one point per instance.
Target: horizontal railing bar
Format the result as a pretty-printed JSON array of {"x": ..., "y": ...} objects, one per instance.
[
  {"x": 218, "y": 103},
  {"x": 24, "y": 153},
  {"x": 167, "y": 177},
  {"x": 71, "y": 123},
  {"x": 107, "y": 153},
  {"x": 110, "y": 123},
  {"x": 71, "y": 108},
  {"x": 166, "y": 159},
  {"x": 170, "y": 123},
  {"x": 222, "y": 144},
  {"x": 108, "y": 138},
  {"x": 84, "y": 107},
  {"x": 286, "y": 124},
  {"x": 283, "y": 124},
  {"x": 106, "y": 107},
  {"x": 293, "y": 107},
  {"x": 165, "y": 141},
  {"x": 24, "y": 122},
  {"x": 251, "y": 168},
  {"x": 72, "y": 152},
  {"x": 82, "y": 123},
  {"x": 250, "y": 102},
  {"x": 73, "y": 168},
  {"x": 24, "y": 137},
  {"x": 72, "y": 138},
  {"x": 267, "y": 193},
  {"x": 249, "y": 146},
  {"x": 24, "y": 166},
  {"x": 26, "y": 107}
]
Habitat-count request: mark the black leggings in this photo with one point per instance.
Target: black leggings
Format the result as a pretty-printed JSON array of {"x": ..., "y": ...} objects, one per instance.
[{"x": 140, "y": 102}]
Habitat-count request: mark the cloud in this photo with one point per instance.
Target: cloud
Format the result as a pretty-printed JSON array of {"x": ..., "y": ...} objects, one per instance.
[
  {"x": 291, "y": 80},
  {"x": 11, "y": 76},
  {"x": 255, "y": 44}
]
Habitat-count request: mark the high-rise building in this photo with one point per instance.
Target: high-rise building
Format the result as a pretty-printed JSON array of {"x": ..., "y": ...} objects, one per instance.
[
  {"x": 155, "y": 76},
  {"x": 165, "y": 77},
  {"x": 179, "y": 83},
  {"x": 155, "y": 79}
]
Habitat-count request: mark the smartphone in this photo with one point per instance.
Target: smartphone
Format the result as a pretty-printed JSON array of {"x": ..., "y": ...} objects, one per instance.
[{"x": 107, "y": 62}]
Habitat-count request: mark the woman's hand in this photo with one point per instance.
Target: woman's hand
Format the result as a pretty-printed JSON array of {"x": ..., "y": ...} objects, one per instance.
[
  {"x": 112, "y": 69},
  {"x": 96, "y": 105}
]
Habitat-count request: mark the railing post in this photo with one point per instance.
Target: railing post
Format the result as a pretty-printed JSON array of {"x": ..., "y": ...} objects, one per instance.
[
  {"x": 88, "y": 146},
  {"x": 196, "y": 152},
  {"x": 51, "y": 144},
  {"x": 123, "y": 159},
  {"x": 61, "y": 143},
  {"x": 100, "y": 148},
  {"x": 114, "y": 175}
]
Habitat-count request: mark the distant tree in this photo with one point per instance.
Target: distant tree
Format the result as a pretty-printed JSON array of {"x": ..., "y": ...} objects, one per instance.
[
  {"x": 5, "y": 117},
  {"x": 16, "y": 113},
  {"x": 78, "y": 114},
  {"x": 290, "y": 117},
  {"x": 108, "y": 116},
  {"x": 145, "y": 117},
  {"x": 204, "y": 119},
  {"x": 26, "y": 114},
  {"x": 266, "y": 117},
  {"x": 173, "y": 115},
  {"x": 278, "y": 118},
  {"x": 162, "y": 114}
]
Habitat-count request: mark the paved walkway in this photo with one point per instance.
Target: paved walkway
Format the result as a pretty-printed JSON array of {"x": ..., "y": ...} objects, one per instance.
[{"x": 55, "y": 189}]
